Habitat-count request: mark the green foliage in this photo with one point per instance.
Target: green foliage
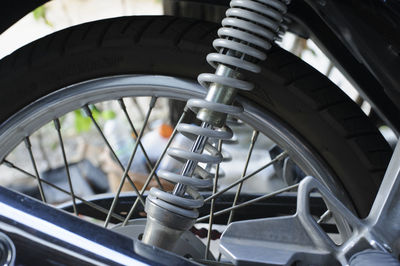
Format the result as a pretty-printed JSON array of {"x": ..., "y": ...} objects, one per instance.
[
  {"x": 40, "y": 14},
  {"x": 108, "y": 114},
  {"x": 312, "y": 51},
  {"x": 82, "y": 122}
]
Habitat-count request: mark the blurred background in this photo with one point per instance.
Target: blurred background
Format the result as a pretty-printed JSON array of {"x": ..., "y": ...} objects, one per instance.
[{"x": 60, "y": 14}]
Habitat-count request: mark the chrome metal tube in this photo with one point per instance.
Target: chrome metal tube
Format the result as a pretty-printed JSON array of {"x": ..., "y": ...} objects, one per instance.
[{"x": 66, "y": 239}]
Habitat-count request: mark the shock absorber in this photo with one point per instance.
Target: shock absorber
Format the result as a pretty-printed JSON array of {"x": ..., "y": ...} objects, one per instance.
[{"x": 247, "y": 32}]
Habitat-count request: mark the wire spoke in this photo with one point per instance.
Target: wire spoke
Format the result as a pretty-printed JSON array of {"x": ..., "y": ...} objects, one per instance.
[
  {"x": 325, "y": 216},
  {"x": 57, "y": 125},
  {"x": 241, "y": 180},
  {"x": 88, "y": 203},
  {"x": 90, "y": 115},
  {"x": 148, "y": 162},
  {"x": 239, "y": 189},
  {"x": 210, "y": 221},
  {"x": 244, "y": 204},
  {"x": 150, "y": 176},
  {"x": 28, "y": 145},
  {"x": 124, "y": 176}
]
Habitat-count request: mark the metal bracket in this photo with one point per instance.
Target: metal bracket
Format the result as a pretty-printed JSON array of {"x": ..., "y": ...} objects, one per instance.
[{"x": 299, "y": 238}]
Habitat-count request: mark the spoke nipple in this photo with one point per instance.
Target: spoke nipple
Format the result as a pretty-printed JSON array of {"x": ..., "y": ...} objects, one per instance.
[
  {"x": 254, "y": 136},
  {"x": 57, "y": 124},
  {"x": 281, "y": 156},
  {"x": 8, "y": 163},
  {"x": 87, "y": 111},
  {"x": 153, "y": 101},
  {"x": 27, "y": 142},
  {"x": 122, "y": 104}
]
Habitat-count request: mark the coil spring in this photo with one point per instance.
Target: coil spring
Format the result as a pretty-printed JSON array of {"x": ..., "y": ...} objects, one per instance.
[{"x": 249, "y": 29}]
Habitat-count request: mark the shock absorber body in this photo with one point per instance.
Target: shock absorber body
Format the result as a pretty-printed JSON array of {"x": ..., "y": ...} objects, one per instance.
[{"x": 247, "y": 32}]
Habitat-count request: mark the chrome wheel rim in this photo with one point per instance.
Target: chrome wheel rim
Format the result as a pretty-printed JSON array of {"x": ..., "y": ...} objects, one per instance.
[{"x": 54, "y": 105}]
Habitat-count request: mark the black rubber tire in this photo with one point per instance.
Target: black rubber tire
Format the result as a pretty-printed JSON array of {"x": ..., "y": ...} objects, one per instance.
[
  {"x": 213, "y": 11},
  {"x": 299, "y": 95}
]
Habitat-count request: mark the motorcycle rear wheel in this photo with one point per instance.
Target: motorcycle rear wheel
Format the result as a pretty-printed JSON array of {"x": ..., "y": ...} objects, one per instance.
[{"x": 329, "y": 126}]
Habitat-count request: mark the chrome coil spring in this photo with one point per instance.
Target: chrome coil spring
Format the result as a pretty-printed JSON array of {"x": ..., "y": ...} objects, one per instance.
[
  {"x": 250, "y": 28},
  {"x": 187, "y": 207},
  {"x": 248, "y": 31}
]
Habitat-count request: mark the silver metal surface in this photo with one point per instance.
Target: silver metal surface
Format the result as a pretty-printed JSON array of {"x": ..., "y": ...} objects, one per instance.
[
  {"x": 188, "y": 245},
  {"x": 299, "y": 238},
  {"x": 246, "y": 203},
  {"x": 37, "y": 229},
  {"x": 164, "y": 227},
  {"x": 241, "y": 180},
  {"x": 39, "y": 226},
  {"x": 132, "y": 156},
  {"x": 211, "y": 219},
  {"x": 88, "y": 112},
  {"x": 248, "y": 30},
  {"x": 84, "y": 201},
  {"x": 218, "y": 95},
  {"x": 193, "y": 157},
  {"x": 57, "y": 125},
  {"x": 283, "y": 240},
  {"x": 7, "y": 250},
  {"x": 384, "y": 217},
  {"x": 152, "y": 173},
  {"x": 28, "y": 146},
  {"x": 146, "y": 156},
  {"x": 74, "y": 97},
  {"x": 55, "y": 105}
]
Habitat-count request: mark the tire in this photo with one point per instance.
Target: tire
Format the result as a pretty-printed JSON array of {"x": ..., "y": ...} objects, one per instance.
[
  {"x": 212, "y": 11},
  {"x": 298, "y": 95}
]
